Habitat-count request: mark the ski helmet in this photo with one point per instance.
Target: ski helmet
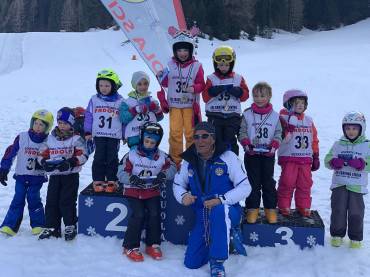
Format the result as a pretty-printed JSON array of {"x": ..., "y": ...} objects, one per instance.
[
  {"x": 224, "y": 54},
  {"x": 111, "y": 76},
  {"x": 183, "y": 40},
  {"x": 355, "y": 118},
  {"x": 290, "y": 95},
  {"x": 45, "y": 116},
  {"x": 67, "y": 115},
  {"x": 151, "y": 128}
]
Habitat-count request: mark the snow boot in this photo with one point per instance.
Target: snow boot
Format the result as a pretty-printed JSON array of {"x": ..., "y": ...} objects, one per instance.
[
  {"x": 111, "y": 187},
  {"x": 47, "y": 233},
  {"x": 98, "y": 186},
  {"x": 7, "y": 231},
  {"x": 304, "y": 212},
  {"x": 285, "y": 211},
  {"x": 236, "y": 239},
  {"x": 336, "y": 241},
  {"x": 154, "y": 251},
  {"x": 271, "y": 215},
  {"x": 217, "y": 268},
  {"x": 134, "y": 254},
  {"x": 36, "y": 231},
  {"x": 355, "y": 244},
  {"x": 252, "y": 215},
  {"x": 70, "y": 232}
]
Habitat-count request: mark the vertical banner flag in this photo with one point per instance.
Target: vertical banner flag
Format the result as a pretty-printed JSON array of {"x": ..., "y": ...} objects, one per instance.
[{"x": 146, "y": 24}]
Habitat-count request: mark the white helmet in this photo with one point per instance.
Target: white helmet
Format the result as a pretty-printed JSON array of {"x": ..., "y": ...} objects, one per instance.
[
  {"x": 183, "y": 39},
  {"x": 355, "y": 118}
]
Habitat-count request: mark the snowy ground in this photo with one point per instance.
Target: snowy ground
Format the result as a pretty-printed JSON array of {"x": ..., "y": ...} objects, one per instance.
[{"x": 51, "y": 70}]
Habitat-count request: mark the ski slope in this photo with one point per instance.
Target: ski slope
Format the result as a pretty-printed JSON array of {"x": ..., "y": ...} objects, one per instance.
[{"x": 51, "y": 70}]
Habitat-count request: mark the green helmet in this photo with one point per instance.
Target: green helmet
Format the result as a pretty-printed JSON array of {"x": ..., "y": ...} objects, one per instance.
[
  {"x": 109, "y": 75},
  {"x": 45, "y": 116}
]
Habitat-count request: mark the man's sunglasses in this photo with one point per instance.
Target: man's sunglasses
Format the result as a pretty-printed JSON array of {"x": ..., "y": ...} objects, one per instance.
[{"x": 202, "y": 136}]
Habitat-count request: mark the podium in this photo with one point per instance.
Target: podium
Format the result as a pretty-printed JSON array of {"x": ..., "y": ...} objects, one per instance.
[
  {"x": 107, "y": 214},
  {"x": 295, "y": 229}
]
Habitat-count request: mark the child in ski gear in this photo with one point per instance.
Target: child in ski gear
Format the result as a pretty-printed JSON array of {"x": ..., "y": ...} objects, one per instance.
[
  {"x": 62, "y": 155},
  {"x": 102, "y": 123},
  {"x": 224, "y": 92},
  {"x": 29, "y": 175},
  {"x": 298, "y": 154},
  {"x": 139, "y": 108},
  {"x": 349, "y": 157},
  {"x": 185, "y": 81},
  {"x": 143, "y": 172},
  {"x": 260, "y": 136},
  {"x": 212, "y": 181}
]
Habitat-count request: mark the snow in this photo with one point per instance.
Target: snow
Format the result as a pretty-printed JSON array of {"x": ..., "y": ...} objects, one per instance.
[{"x": 51, "y": 70}]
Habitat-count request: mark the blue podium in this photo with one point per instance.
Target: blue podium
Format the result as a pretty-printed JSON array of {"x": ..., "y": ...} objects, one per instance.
[
  {"x": 295, "y": 229},
  {"x": 107, "y": 214}
]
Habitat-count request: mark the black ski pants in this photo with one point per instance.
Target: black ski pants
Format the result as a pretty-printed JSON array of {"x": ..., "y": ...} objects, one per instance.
[
  {"x": 105, "y": 164},
  {"x": 148, "y": 210},
  {"x": 61, "y": 200},
  {"x": 227, "y": 130},
  {"x": 347, "y": 208},
  {"x": 260, "y": 171}
]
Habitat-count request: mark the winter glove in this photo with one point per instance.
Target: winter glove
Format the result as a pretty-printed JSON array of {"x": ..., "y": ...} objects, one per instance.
[
  {"x": 247, "y": 146},
  {"x": 153, "y": 106},
  {"x": 48, "y": 166},
  {"x": 336, "y": 163},
  {"x": 137, "y": 181},
  {"x": 4, "y": 176},
  {"x": 163, "y": 101},
  {"x": 216, "y": 90},
  {"x": 315, "y": 162},
  {"x": 66, "y": 164},
  {"x": 248, "y": 149},
  {"x": 160, "y": 180},
  {"x": 357, "y": 163},
  {"x": 236, "y": 92}
]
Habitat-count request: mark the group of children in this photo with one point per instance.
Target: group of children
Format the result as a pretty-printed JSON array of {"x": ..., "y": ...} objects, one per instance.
[{"x": 109, "y": 118}]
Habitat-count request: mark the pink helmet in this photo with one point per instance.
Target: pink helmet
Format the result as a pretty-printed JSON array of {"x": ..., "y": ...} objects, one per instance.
[{"x": 293, "y": 93}]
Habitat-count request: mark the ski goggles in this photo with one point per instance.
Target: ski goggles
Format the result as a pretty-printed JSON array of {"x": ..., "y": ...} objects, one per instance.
[
  {"x": 152, "y": 130},
  {"x": 202, "y": 136},
  {"x": 223, "y": 59}
]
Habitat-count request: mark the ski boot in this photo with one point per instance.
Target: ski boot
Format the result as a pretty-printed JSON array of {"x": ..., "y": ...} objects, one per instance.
[
  {"x": 304, "y": 212},
  {"x": 252, "y": 215},
  {"x": 271, "y": 216},
  {"x": 236, "y": 240},
  {"x": 36, "y": 231},
  {"x": 98, "y": 186},
  {"x": 47, "y": 233},
  {"x": 285, "y": 211},
  {"x": 336, "y": 241},
  {"x": 134, "y": 254},
  {"x": 217, "y": 268},
  {"x": 154, "y": 251},
  {"x": 70, "y": 232},
  {"x": 7, "y": 231},
  {"x": 111, "y": 186},
  {"x": 355, "y": 244}
]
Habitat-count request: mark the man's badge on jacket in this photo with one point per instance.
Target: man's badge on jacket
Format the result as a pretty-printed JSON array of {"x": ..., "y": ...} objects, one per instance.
[{"x": 219, "y": 171}]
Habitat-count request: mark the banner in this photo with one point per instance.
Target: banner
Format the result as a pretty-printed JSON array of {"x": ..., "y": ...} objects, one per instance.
[{"x": 146, "y": 24}]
